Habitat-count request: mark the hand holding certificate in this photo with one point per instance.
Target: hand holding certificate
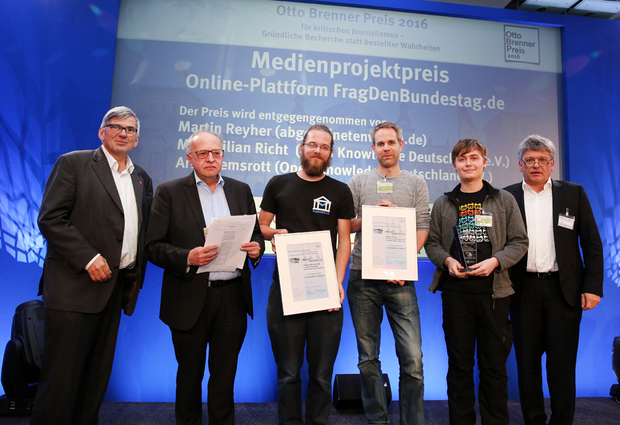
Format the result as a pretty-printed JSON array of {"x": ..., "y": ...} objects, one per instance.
[
  {"x": 228, "y": 233},
  {"x": 389, "y": 250},
  {"x": 307, "y": 272}
]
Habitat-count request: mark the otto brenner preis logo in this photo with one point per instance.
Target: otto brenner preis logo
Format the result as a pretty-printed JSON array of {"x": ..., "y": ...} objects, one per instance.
[{"x": 521, "y": 44}]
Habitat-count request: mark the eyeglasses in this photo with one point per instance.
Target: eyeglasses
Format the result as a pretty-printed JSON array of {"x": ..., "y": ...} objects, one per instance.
[
  {"x": 217, "y": 154},
  {"x": 313, "y": 146},
  {"x": 542, "y": 162},
  {"x": 118, "y": 128}
]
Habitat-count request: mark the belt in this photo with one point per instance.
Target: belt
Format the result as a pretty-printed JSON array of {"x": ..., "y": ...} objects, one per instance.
[
  {"x": 220, "y": 283},
  {"x": 547, "y": 275}
]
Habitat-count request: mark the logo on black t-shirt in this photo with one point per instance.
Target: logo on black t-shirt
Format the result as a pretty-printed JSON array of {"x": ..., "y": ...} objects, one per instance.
[{"x": 322, "y": 205}]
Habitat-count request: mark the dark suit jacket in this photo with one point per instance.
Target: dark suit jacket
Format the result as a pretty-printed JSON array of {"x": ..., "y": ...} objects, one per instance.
[
  {"x": 577, "y": 275},
  {"x": 176, "y": 227},
  {"x": 81, "y": 215}
]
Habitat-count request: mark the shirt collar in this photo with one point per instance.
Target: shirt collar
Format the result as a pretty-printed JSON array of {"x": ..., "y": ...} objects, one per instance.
[
  {"x": 220, "y": 180},
  {"x": 527, "y": 187},
  {"x": 113, "y": 163}
]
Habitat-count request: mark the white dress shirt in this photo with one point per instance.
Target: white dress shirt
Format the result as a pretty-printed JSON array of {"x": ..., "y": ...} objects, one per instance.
[
  {"x": 124, "y": 185},
  {"x": 539, "y": 217},
  {"x": 214, "y": 204}
]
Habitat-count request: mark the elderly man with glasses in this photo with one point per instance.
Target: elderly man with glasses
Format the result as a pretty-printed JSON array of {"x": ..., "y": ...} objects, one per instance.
[
  {"x": 553, "y": 283},
  {"x": 202, "y": 308},
  {"x": 93, "y": 215}
]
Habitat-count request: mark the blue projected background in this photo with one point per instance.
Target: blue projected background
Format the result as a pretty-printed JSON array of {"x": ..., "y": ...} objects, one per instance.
[
  {"x": 282, "y": 66},
  {"x": 57, "y": 65},
  {"x": 170, "y": 111}
]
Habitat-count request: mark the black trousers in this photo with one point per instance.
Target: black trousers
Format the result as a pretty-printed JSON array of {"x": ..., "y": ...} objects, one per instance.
[
  {"x": 77, "y": 362},
  {"x": 222, "y": 326},
  {"x": 318, "y": 333},
  {"x": 477, "y": 323},
  {"x": 544, "y": 323}
]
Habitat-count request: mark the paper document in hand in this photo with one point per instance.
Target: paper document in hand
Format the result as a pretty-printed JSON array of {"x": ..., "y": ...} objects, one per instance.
[
  {"x": 390, "y": 245},
  {"x": 307, "y": 272},
  {"x": 229, "y": 233}
]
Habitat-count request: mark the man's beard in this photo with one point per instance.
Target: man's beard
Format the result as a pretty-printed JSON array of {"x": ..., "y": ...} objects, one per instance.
[{"x": 314, "y": 169}]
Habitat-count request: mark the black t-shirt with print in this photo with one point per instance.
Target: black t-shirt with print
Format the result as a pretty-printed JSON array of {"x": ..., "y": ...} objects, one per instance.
[
  {"x": 307, "y": 206},
  {"x": 470, "y": 205}
]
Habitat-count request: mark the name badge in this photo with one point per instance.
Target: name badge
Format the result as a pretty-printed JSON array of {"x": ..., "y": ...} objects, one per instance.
[
  {"x": 385, "y": 187},
  {"x": 484, "y": 220},
  {"x": 566, "y": 221}
]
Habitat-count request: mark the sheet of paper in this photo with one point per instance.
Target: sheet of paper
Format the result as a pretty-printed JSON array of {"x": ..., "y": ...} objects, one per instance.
[
  {"x": 229, "y": 233},
  {"x": 307, "y": 271},
  {"x": 389, "y": 242}
]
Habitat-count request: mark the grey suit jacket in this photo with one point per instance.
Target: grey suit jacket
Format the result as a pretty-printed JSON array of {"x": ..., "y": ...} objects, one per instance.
[
  {"x": 81, "y": 215},
  {"x": 176, "y": 228},
  {"x": 577, "y": 274}
]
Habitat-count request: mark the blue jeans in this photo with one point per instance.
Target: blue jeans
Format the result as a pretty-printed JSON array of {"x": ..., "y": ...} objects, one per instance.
[
  {"x": 319, "y": 333},
  {"x": 366, "y": 300}
]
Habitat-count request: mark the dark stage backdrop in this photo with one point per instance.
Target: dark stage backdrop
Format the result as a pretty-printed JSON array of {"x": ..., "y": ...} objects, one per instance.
[{"x": 57, "y": 62}]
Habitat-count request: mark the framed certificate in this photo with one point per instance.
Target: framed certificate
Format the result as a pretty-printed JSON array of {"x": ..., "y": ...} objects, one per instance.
[
  {"x": 389, "y": 243},
  {"x": 307, "y": 271}
]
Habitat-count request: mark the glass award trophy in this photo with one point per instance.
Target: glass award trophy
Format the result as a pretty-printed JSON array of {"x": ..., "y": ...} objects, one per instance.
[{"x": 467, "y": 251}]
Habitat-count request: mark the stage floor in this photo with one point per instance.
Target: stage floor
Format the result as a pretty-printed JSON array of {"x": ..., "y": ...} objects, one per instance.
[{"x": 589, "y": 411}]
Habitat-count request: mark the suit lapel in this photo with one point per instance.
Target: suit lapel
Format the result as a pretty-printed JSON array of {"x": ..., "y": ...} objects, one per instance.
[
  {"x": 231, "y": 198},
  {"x": 104, "y": 173},
  {"x": 517, "y": 192},
  {"x": 558, "y": 196},
  {"x": 138, "y": 190},
  {"x": 191, "y": 192}
]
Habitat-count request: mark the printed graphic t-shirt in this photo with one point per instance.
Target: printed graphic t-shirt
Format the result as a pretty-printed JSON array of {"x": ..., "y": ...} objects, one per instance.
[
  {"x": 469, "y": 206},
  {"x": 304, "y": 206}
]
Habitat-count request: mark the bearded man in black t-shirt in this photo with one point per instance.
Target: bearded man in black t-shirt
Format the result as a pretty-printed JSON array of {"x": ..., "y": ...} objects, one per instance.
[{"x": 307, "y": 201}]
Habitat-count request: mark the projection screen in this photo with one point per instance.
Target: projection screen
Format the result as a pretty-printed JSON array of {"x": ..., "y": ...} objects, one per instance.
[{"x": 261, "y": 72}]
